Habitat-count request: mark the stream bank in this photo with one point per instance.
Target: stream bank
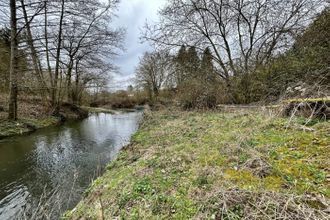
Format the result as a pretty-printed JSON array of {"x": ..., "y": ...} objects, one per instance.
[
  {"x": 28, "y": 125},
  {"x": 45, "y": 173},
  {"x": 239, "y": 164}
]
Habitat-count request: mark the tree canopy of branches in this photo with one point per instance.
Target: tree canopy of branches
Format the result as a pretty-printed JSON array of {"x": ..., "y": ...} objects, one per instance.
[
  {"x": 242, "y": 34},
  {"x": 68, "y": 45},
  {"x": 153, "y": 71},
  {"x": 306, "y": 64}
]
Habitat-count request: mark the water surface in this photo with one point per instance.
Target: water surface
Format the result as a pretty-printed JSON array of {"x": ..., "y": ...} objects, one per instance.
[{"x": 48, "y": 171}]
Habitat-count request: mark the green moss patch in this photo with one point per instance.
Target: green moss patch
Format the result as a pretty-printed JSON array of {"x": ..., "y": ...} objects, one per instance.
[{"x": 23, "y": 126}]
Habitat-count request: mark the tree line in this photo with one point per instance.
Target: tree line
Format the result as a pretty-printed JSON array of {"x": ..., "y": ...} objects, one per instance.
[
  {"x": 57, "y": 49},
  {"x": 237, "y": 51}
]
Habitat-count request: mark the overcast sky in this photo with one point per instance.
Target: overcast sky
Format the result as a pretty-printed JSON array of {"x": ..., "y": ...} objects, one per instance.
[{"x": 132, "y": 15}]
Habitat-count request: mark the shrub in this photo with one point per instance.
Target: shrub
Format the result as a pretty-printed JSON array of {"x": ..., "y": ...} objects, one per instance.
[{"x": 194, "y": 95}]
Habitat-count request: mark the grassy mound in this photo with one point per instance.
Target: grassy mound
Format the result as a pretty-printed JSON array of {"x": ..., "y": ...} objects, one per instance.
[
  {"x": 24, "y": 126},
  {"x": 31, "y": 121},
  {"x": 216, "y": 165}
]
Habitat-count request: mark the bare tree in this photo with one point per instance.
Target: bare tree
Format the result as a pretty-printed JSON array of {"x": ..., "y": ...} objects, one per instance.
[
  {"x": 89, "y": 39},
  {"x": 12, "y": 112},
  {"x": 55, "y": 101},
  {"x": 241, "y": 33},
  {"x": 30, "y": 41},
  {"x": 152, "y": 72},
  {"x": 68, "y": 44}
]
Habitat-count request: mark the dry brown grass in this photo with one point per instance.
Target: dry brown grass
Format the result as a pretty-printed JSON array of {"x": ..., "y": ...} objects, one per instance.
[{"x": 242, "y": 204}]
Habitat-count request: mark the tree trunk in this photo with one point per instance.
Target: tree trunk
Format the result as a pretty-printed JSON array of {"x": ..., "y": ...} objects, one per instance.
[
  {"x": 51, "y": 77},
  {"x": 57, "y": 62},
  {"x": 30, "y": 43},
  {"x": 69, "y": 83},
  {"x": 12, "y": 113},
  {"x": 76, "y": 93},
  {"x": 35, "y": 59},
  {"x": 156, "y": 91}
]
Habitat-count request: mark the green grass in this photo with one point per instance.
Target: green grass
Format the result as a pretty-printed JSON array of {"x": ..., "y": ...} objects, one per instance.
[
  {"x": 23, "y": 126},
  {"x": 179, "y": 162},
  {"x": 322, "y": 99}
]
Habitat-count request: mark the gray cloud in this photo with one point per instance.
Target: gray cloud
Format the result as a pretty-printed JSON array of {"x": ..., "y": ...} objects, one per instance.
[{"x": 132, "y": 15}]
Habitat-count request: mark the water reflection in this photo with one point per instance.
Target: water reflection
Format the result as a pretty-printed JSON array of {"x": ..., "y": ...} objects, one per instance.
[{"x": 59, "y": 159}]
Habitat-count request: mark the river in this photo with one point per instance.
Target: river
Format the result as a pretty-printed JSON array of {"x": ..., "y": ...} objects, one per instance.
[{"x": 47, "y": 172}]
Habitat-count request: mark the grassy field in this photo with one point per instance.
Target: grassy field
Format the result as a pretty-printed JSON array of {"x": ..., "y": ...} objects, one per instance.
[{"x": 243, "y": 164}]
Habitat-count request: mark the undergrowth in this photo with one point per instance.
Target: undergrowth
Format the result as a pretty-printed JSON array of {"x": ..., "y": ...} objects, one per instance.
[
  {"x": 216, "y": 165},
  {"x": 25, "y": 125}
]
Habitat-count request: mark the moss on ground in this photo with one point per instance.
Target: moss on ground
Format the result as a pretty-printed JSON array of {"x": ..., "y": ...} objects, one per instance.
[
  {"x": 22, "y": 126},
  {"x": 322, "y": 99},
  {"x": 180, "y": 163},
  {"x": 34, "y": 116}
]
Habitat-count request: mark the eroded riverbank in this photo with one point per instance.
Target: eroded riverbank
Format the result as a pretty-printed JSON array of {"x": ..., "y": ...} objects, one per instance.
[{"x": 26, "y": 125}]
